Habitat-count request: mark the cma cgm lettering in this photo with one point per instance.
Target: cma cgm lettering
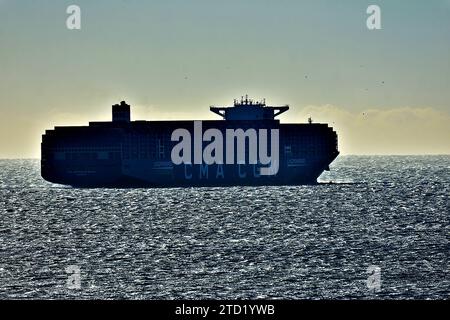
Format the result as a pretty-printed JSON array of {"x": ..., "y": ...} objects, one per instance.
[
  {"x": 248, "y": 146},
  {"x": 217, "y": 171}
]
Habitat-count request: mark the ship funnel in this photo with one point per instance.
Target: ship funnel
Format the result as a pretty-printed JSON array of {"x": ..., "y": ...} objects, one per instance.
[{"x": 121, "y": 112}]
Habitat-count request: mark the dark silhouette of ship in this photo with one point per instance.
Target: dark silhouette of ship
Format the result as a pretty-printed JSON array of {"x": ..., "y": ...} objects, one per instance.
[{"x": 125, "y": 153}]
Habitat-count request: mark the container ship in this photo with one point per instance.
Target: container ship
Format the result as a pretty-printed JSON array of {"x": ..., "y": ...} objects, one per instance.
[{"x": 124, "y": 153}]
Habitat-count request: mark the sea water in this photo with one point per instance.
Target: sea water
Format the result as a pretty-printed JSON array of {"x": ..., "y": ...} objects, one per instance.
[{"x": 384, "y": 213}]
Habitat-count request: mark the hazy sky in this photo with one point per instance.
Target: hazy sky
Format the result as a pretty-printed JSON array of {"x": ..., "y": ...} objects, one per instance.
[{"x": 384, "y": 91}]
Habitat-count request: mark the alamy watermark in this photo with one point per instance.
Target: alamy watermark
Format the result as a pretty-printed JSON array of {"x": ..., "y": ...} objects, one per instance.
[
  {"x": 73, "y": 21},
  {"x": 374, "y": 278},
  {"x": 373, "y": 22},
  {"x": 74, "y": 277},
  {"x": 235, "y": 139}
]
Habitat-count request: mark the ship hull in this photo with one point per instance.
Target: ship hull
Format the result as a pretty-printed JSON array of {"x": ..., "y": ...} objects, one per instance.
[{"x": 129, "y": 174}]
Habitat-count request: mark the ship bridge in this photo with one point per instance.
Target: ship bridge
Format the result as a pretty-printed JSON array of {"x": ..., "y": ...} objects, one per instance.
[{"x": 248, "y": 109}]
